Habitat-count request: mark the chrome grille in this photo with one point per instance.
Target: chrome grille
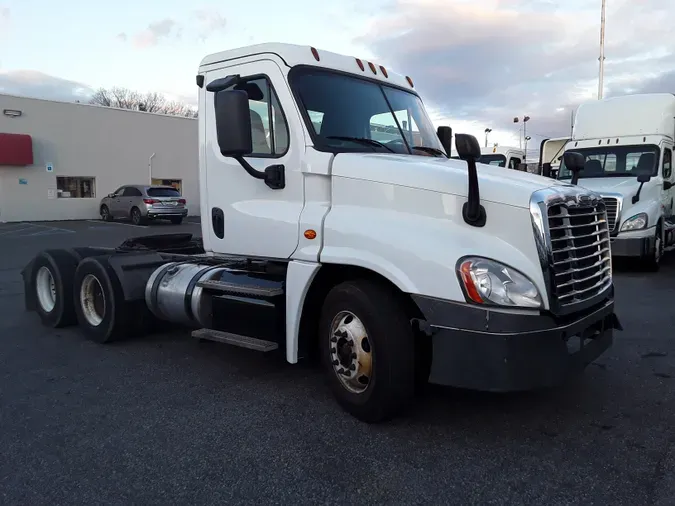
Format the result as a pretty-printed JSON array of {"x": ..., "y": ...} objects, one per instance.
[
  {"x": 579, "y": 248},
  {"x": 612, "y": 206}
]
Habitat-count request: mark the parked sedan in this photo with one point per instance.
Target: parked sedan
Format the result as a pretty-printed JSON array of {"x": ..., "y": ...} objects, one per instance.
[{"x": 141, "y": 203}]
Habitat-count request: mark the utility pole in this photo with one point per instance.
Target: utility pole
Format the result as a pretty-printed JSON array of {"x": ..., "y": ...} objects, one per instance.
[
  {"x": 601, "y": 76},
  {"x": 487, "y": 131},
  {"x": 525, "y": 120}
]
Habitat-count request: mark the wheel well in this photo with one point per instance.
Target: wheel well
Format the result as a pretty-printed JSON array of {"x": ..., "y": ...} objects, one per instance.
[{"x": 330, "y": 275}]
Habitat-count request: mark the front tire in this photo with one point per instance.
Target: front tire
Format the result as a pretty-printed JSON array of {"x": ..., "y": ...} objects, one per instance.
[
  {"x": 367, "y": 350},
  {"x": 653, "y": 261},
  {"x": 105, "y": 213}
]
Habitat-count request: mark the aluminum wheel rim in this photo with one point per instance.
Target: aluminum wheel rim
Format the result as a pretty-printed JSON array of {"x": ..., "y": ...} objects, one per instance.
[
  {"x": 45, "y": 289},
  {"x": 92, "y": 300},
  {"x": 351, "y": 352},
  {"x": 104, "y": 212}
]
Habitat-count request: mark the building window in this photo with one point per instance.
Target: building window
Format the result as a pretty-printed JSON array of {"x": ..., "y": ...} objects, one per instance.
[{"x": 76, "y": 187}]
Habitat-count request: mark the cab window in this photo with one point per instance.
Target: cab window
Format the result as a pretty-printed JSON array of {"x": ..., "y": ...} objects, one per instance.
[{"x": 667, "y": 163}]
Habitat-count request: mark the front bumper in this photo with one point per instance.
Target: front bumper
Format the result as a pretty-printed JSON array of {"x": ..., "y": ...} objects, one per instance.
[
  {"x": 623, "y": 246},
  {"x": 500, "y": 351}
]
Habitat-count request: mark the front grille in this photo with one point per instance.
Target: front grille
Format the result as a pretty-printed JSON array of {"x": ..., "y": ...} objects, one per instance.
[
  {"x": 580, "y": 257},
  {"x": 612, "y": 206}
]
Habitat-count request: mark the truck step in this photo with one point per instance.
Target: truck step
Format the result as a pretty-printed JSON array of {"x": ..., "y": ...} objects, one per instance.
[
  {"x": 237, "y": 289},
  {"x": 235, "y": 339}
]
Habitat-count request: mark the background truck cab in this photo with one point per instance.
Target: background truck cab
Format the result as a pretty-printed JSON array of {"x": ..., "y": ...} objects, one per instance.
[
  {"x": 502, "y": 156},
  {"x": 627, "y": 143}
]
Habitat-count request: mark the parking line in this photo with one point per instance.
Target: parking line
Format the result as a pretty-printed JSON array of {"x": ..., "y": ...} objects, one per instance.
[{"x": 101, "y": 222}]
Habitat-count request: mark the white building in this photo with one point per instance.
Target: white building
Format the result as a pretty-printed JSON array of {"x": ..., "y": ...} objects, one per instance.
[{"x": 57, "y": 159}]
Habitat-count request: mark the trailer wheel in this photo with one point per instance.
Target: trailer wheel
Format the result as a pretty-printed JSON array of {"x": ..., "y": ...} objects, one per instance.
[
  {"x": 99, "y": 302},
  {"x": 52, "y": 282},
  {"x": 367, "y": 350}
]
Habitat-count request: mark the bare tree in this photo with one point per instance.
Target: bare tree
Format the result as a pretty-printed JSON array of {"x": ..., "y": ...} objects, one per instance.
[{"x": 123, "y": 98}]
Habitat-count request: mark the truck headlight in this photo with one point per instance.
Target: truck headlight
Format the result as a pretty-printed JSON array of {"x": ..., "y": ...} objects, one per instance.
[
  {"x": 637, "y": 222},
  {"x": 489, "y": 282}
]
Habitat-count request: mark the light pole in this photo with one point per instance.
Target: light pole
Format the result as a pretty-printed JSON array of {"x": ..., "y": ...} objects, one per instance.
[
  {"x": 601, "y": 76},
  {"x": 527, "y": 138},
  {"x": 525, "y": 120},
  {"x": 487, "y": 131}
]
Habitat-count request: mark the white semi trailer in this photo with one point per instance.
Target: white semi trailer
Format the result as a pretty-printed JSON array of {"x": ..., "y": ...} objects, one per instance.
[{"x": 398, "y": 264}]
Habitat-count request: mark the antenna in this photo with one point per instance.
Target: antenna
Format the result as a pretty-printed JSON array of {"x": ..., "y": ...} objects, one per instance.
[{"x": 601, "y": 76}]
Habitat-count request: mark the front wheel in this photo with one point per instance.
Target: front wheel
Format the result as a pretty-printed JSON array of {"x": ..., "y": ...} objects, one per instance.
[
  {"x": 367, "y": 350},
  {"x": 105, "y": 213},
  {"x": 652, "y": 261}
]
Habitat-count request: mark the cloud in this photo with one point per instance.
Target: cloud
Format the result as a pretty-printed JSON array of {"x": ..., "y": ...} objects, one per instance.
[
  {"x": 5, "y": 17},
  {"x": 155, "y": 32},
  {"x": 202, "y": 24},
  {"x": 490, "y": 61},
  {"x": 31, "y": 83},
  {"x": 209, "y": 22}
]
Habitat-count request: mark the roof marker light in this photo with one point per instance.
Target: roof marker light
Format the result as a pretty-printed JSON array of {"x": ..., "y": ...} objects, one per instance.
[
  {"x": 315, "y": 53},
  {"x": 372, "y": 67},
  {"x": 384, "y": 71},
  {"x": 360, "y": 63},
  {"x": 409, "y": 81}
]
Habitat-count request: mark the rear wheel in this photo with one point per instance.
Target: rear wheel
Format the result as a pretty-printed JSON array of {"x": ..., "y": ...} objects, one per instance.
[
  {"x": 52, "y": 283},
  {"x": 367, "y": 350},
  {"x": 99, "y": 301},
  {"x": 136, "y": 217},
  {"x": 105, "y": 213},
  {"x": 176, "y": 220}
]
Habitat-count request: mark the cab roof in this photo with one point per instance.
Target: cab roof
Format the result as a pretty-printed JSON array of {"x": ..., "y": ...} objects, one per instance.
[{"x": 294, "y": 55}]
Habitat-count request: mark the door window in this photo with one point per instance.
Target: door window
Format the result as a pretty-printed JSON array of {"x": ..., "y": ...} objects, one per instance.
[
  {"x": 667, "y": 163},
  {"x": 269, "y": 129},
  {"x": 132, "y": 192}
]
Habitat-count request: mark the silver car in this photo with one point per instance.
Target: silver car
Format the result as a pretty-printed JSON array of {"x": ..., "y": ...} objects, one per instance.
[{"x": 141, "y": 203}]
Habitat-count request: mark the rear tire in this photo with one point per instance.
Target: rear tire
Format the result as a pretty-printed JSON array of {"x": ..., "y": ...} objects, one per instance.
[
  {"x": 176, "y": 220},
  {"x": 136, "y": 217},
  {"x": 385, "y": 355},
  {"x": 52, "y": 285},
  {"x": 100, "y": 307}
]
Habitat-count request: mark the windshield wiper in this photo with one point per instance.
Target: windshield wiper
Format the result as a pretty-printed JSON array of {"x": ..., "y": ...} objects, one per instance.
[
  {"x": 427, "y": 149},
  {"x": 362, "y": 140}
]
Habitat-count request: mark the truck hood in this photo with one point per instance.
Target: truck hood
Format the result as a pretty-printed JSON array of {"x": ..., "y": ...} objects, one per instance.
[
  {"x": 622, "y": 185},
  {"x": 450, "y": 176}
]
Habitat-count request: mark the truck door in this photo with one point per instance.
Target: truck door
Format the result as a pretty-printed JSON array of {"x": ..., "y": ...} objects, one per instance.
[
  {"x": 246, "y": 216},
  {"x": 667, "y": 195}
]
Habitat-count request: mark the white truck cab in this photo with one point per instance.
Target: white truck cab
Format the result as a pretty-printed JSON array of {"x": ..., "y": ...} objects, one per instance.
[
  {"x": 399, "y": 265},
  {"x": 627, "y": 143},
  {"x": 502, "y": 156},
  {"x": 550, "y": 155}
]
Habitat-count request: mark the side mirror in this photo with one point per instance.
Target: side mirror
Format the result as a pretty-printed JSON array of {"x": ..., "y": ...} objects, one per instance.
[
  {"x": 445, "y": 136},
  {"x": 575, "y": 163},
  {"x": 233, "y": 123},
  {"x": 645, "y": 178},
  {"x": 467, "y": 147},
  {"x": 667, "y": 185},
  {"x": 111, "y": 195},
  {"x": 546, "y": 169}
]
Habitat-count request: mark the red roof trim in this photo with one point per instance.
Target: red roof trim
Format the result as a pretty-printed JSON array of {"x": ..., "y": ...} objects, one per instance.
[{"x": 16, "y": 150}]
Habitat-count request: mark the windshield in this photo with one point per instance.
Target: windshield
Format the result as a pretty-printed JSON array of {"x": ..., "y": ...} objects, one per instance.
[
  {"x": 499, "y": 160},
  {"x": 352, "y": 114},
  {"x": 615, "y": 161},
  {"x": 163, "y": 192}
]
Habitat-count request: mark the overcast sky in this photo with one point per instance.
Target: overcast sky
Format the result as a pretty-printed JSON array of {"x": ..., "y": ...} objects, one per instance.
[{"x": 477, "y": 64}]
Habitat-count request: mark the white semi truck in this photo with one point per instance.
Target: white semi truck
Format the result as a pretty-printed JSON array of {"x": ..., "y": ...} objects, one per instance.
[
  {"x": 397, "y": 264},
  {"x": 627, "y": 144}
]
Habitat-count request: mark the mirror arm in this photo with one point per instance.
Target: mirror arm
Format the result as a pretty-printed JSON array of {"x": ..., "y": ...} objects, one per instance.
[
  {"x": 472, "y": 210},
  {"x": 636, "y": 197},
  {"x": 575, "y": 177},
  {"x": 274, "y": 175}
]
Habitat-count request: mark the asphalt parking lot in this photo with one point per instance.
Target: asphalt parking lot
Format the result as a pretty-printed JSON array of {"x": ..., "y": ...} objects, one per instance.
[{"x": 165, "y": 420}]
